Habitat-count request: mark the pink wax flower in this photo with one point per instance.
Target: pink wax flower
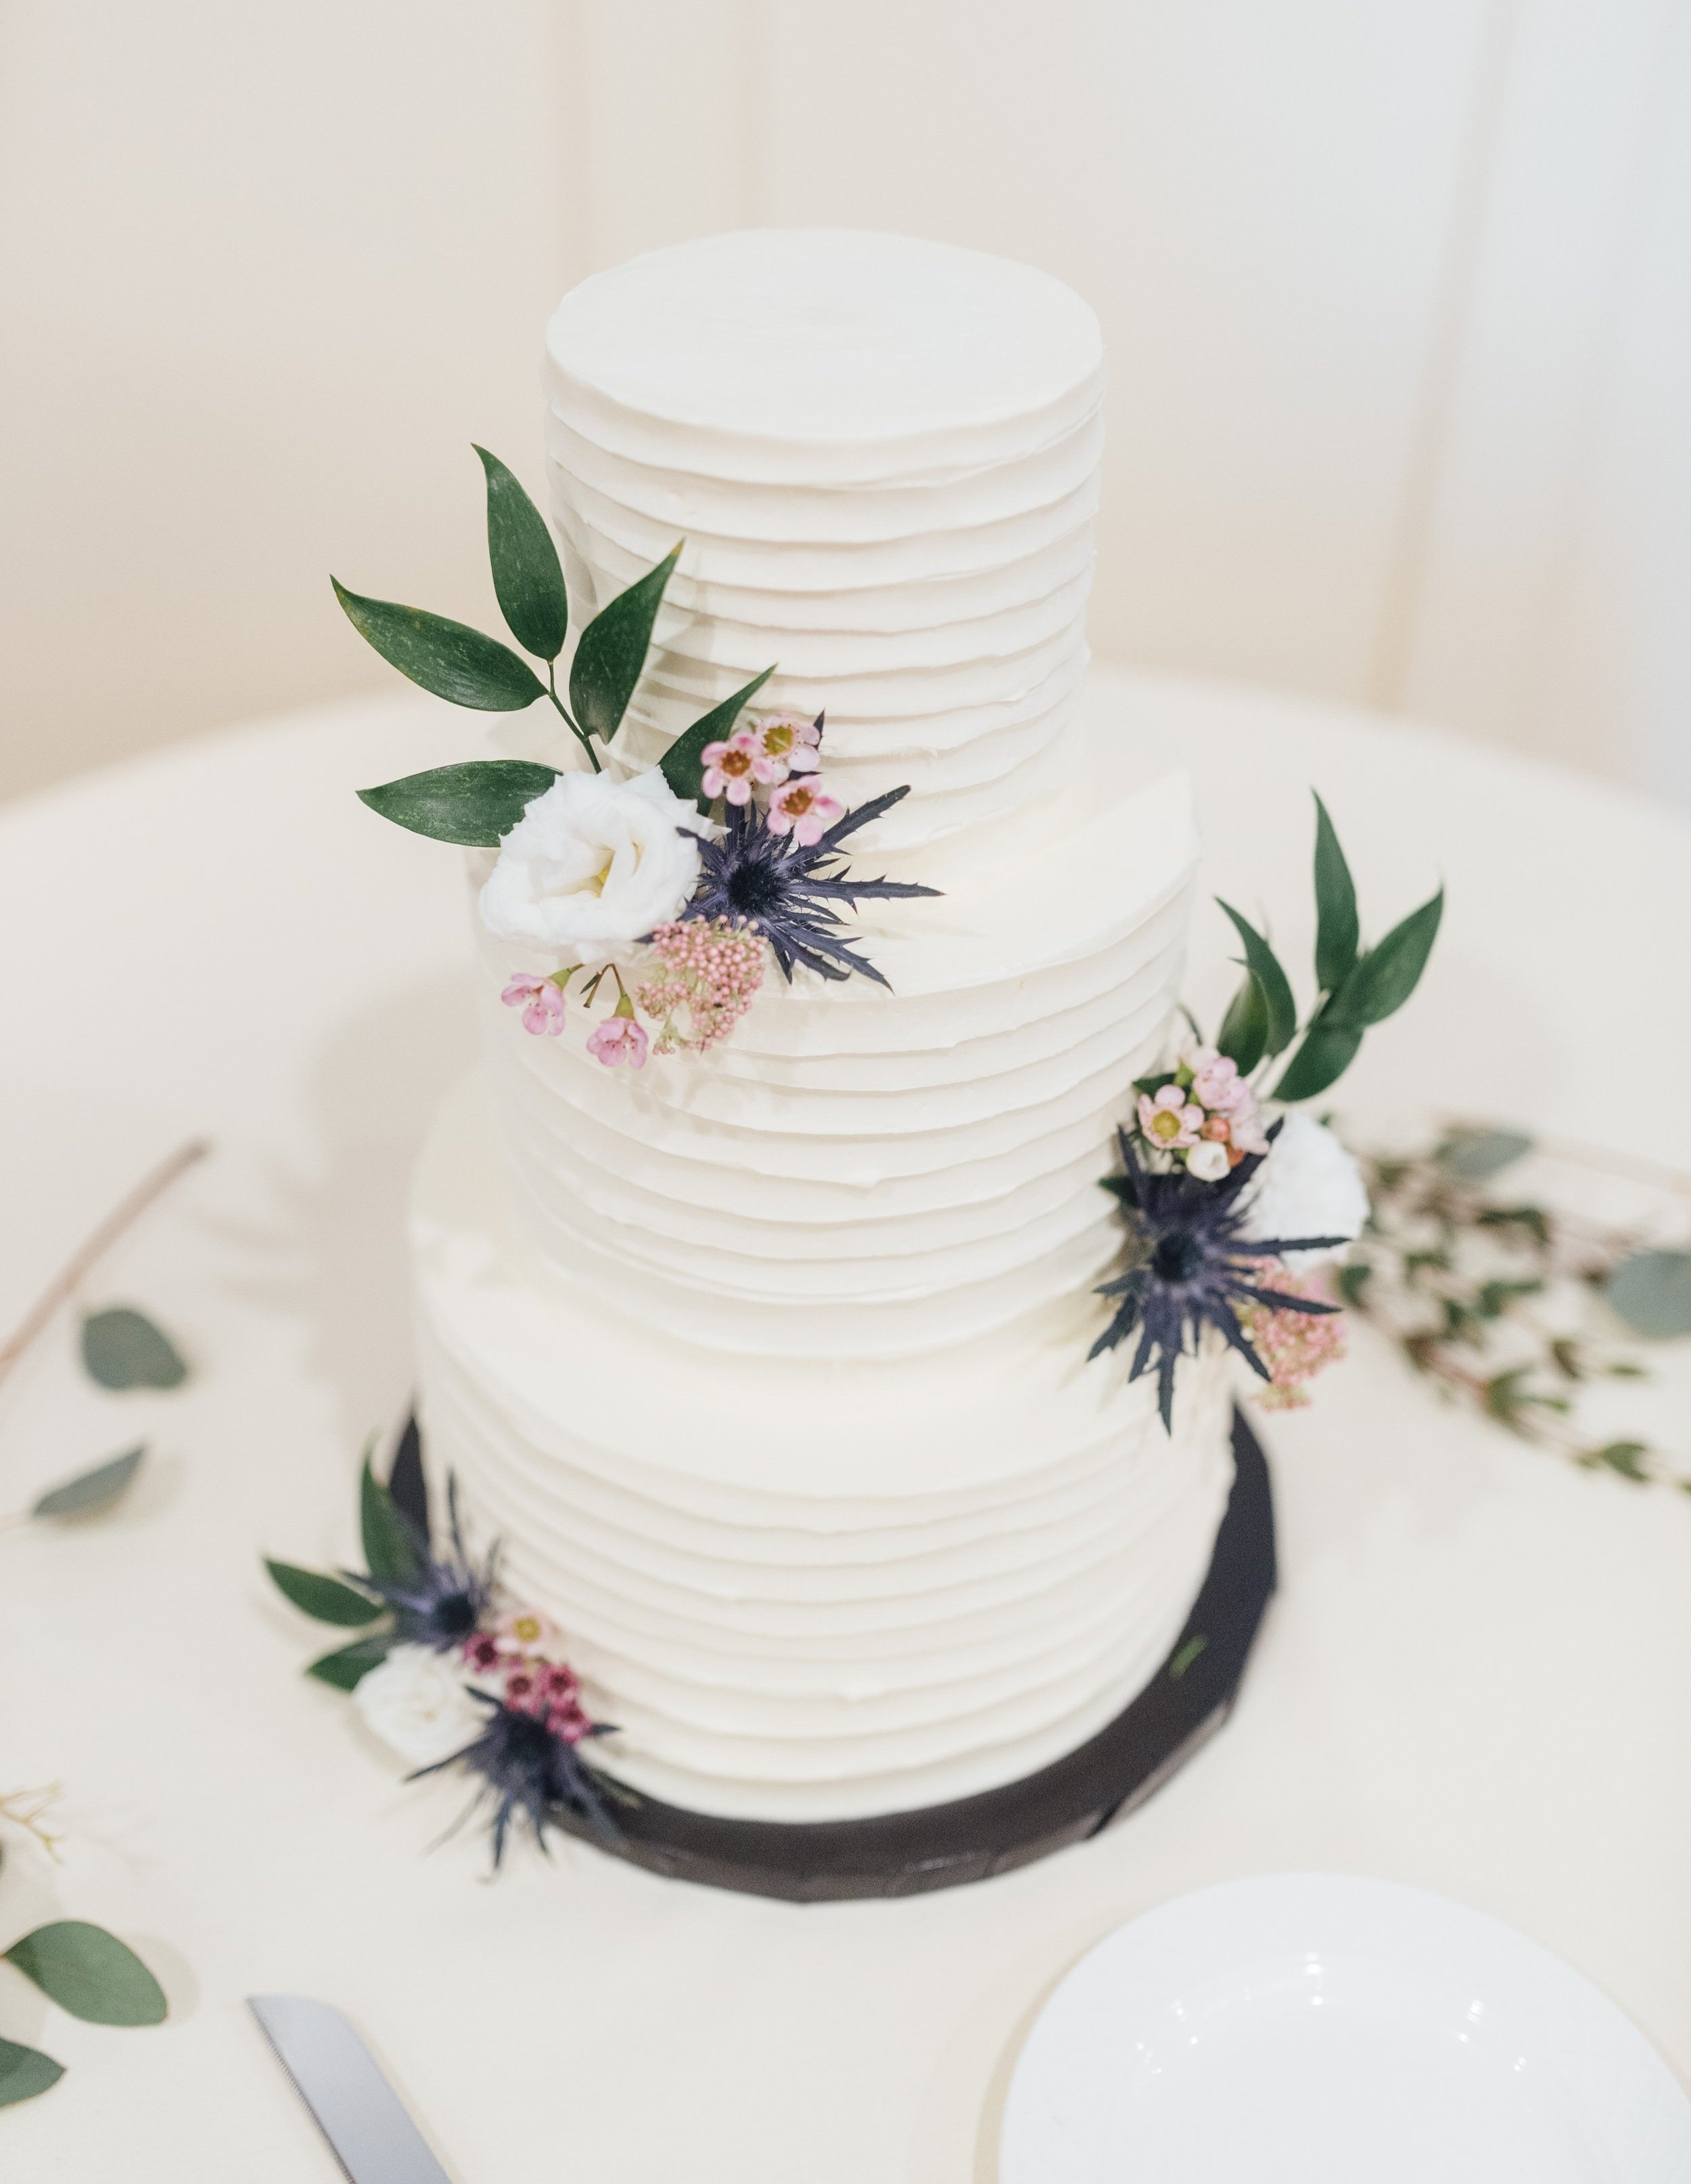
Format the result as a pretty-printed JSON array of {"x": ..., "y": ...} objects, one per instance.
[
  {"x": 618, "y": 1039},
  {"x": 482, "y": 1653},
  {"x": 522, "y": 1690},
  {"x": 732, "y": 768},
  {"x": 524, "y": 1630},
  {"x": 1168, "y": 1120},
  {"x": 1294, "y": 1346},
  {"x": 802, "y": 808},
  {"x": 711, "y": 969},
  {"x": 569, "y": 1721},
  {"x": 789, "y": 742},
  {"x": 541, "y": 1002},
  {"x": 558, "y": 1683},
  {"x": 1217, "y": 1084}
]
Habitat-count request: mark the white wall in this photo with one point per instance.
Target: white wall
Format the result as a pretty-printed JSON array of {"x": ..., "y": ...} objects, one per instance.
[{"x": 1398, "y": 297}]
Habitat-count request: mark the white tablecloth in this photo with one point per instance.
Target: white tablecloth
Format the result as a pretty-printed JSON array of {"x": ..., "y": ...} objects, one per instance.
[{"x": 1477, "y": 1676}]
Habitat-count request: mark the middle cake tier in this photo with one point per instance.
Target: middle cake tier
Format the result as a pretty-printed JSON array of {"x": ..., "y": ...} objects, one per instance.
[{"x": 864, "y": 1172}]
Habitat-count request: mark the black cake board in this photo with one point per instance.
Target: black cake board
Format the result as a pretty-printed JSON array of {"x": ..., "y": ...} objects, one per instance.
[{"x": 972, "y": 1838}]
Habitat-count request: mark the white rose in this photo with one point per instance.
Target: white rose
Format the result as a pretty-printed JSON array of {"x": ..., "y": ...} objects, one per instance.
[
  {"x": 1308, "y": 1186},
  {"x": 593, "y": 864},
  {"x": 418, "y": 1704}
]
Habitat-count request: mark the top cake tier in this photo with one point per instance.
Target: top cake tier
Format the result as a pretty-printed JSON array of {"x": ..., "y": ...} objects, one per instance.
[{"x": 882, "y": 455}]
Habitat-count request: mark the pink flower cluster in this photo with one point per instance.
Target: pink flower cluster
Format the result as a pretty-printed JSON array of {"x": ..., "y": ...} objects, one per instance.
[
  {"x": 510, "y": 1656},
  {"x": 712, "y": 969},
  {"x": 1206, "y": 1116},
  {"x": 1294, "y": 1346},
  {"x": 773, "y": 752}
]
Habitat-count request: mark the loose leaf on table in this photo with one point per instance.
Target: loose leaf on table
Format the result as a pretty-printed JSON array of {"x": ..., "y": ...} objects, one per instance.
[
  {"x": 447, "y": 657},
  {"x": 121, "y": 1348},
  {"x": 528, "y": 581},
  {"x": 1336, "y": 932},
  {"x": 1652, "y": 1293},
  {"x": 391, "y": 1550},
  {"x": 1327, "y": 1051},
  {"x": 407, "y": 1482},
  {"x": 1264, "y": 966},
  {"x": 1243, "y": 1036},
  {"x": 1626, "y": 1457},
  {"x": 1385, "y": 978},
  {"x": 612, "y": 651},
  {"x": 472, "y": 804},
  {"x": 683, "y": 762},
  {"x": 1476, "y": 1155},
  {"x": 347, "y": 1667},
  {"x": 90, "y": 1491},
  {"x": 325, "y": 1599},
  {"x": 25, "y": 2072},
  {"x": 90, "y": 1973}
]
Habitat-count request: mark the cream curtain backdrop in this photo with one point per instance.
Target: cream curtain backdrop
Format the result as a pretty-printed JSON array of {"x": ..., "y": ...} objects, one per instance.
[{"x": 1399, "y": 300}]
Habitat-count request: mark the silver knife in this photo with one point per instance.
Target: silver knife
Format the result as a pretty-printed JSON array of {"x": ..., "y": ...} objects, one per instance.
[{"x": 341, "y": 2082}]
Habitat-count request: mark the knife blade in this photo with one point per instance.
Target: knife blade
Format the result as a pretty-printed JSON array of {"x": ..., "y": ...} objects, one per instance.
[{"x": 340, "y": 2081}]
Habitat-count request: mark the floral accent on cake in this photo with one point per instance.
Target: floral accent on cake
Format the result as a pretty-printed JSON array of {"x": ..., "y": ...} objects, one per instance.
[
  {"x": 1226, "y": 1213},
  {"x": 446, "y": 1675},
  {"x": 599, "y": 868}
]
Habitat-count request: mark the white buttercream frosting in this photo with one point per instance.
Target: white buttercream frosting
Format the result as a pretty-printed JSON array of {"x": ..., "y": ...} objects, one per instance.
[{"x": 769, "y": 1366}]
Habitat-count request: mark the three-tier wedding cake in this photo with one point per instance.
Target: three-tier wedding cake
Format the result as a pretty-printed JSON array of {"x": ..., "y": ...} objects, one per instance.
[{"x": 769, "y": 1363}]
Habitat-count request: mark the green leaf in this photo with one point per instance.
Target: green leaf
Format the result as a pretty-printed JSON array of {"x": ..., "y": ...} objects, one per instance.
[
  {"x": 684, "y": 761},
  {"x": 528, "y": 581},
  {"x": 90, "y": 1491},
  {"x": 391, "y": 1548},
  {"x": 1244, "y": 1030},
  {"x": 25, "y": 2072},
  {"x": 1652, "y": 1293},
  {"x": 1336, "y": 932},
  {"x": 1474, "y": 1155},
  {"x": 1388, "y": 975},
  {"x": 90, "y": 1973},
  {"x": 1264, "y": 966},
  {"x": 347, "y": 1668},
  {"x": 1327, "y": 1051},
  {"x": 473, "y": 804},
  {"x": 325, "y": 1598},
  {"x": 1353, "y": 1279},
  {"x": 122, "y": 1348},
  {"x": 612, "y": 652},
  {"x": 447, "y": 657},
  {"x": 1624, "y": 1457}
]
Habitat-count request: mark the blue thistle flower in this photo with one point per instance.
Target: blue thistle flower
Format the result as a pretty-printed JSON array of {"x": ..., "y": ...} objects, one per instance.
[
  {"x": 789, "y": 892},
  {"x": 530, "y": 1772},
  {"x": 1191, "y": 1264},
  {"x": 440, "y": 1602}
]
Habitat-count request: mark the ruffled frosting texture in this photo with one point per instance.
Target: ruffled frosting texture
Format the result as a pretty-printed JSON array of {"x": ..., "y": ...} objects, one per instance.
[{"x": 769, "y": 1365}]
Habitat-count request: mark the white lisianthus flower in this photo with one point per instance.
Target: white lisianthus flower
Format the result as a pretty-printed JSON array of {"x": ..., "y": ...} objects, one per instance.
[
  {"x": 418, "y": 1702},
  {"x": 593, "y": 864},
  {"x": 1308, "y": 1186}
]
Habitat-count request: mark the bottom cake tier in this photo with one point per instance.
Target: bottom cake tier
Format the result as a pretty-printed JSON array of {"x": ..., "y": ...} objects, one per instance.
[{"x": 806, "y": 1592}]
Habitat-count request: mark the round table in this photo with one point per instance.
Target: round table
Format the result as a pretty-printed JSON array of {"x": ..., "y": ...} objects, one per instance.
[{"x": 1477, "y": 1676}]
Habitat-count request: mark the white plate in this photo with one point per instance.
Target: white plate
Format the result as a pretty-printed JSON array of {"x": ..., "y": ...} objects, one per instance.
[{"x": 1332, "y": 2030}]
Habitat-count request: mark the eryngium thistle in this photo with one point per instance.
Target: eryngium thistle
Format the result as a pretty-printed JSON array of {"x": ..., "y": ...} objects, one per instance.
[
  {"x": 441, "y": 1601},
  {"x": 530, "y": 1772},
  {"x": 1190, "y": 1267},
  {"x": 789, "y": 892}
]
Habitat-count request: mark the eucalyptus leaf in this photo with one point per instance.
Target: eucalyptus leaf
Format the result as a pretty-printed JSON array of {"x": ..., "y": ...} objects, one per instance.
[
  {"x": 1243, "y": 1035},
  {"x": 407, "y": 1482},
  {"x": 1385, "y": 978},
  {"x": 25, "y": 2072},
  {"x": 391, "y": 1548},
  {"x": 347, "y": 1668},
  {"x": 90, "y": 1973},
  {"x": 1337, "y": 931},
  {"x": 472, "y": 804},
  {"x": 447, "y": 657},
  {"x": 1652, "y": 1293},
  {"x": 1475, "y": 1156},
  {"x": 1264, "y": 966},
  {"x": 528, "y": 580},
  {"x": 612, "y": 652},
  {"x": 325, "y": 1599},
  {"x": 1626, "y": 1457},
  {"x": 90, "y": 1491},
  {"x": 683, "y": 762},
  {"x": 1327, "y": 1051},
  {"x": 121, "y": 1348}
]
